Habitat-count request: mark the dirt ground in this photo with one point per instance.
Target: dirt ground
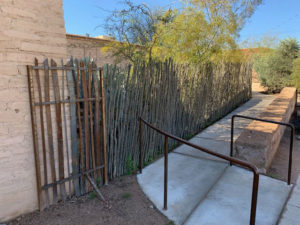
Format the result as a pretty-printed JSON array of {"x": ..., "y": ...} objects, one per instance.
[
  {"x": 279, "y": 166},
  {"x": 256, "y": 87},
  {"x": 127, "y": 205}
]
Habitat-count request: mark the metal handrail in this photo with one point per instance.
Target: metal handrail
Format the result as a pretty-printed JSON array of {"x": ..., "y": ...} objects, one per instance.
[
  {"x": 228, "y": 158},
  {"x": 268, "y": 121}
]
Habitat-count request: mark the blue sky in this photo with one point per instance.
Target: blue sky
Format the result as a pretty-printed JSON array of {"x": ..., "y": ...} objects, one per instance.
[{"x": 280, "y": 18}]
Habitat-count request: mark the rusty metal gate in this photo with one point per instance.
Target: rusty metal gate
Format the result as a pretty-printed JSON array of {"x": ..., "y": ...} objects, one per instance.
[{"x": 67, "y": 105}]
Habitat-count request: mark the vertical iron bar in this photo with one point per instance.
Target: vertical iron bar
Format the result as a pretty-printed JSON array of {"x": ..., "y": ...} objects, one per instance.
[
  {"x": 91, "y": 117},
  {"x": 291, "y": 154},
  {"x": 70, "y": 75},
  {"x": 34, "y": 135},
  {"x": 65, "y": 127},
  {"x": 97, "y": 119},
  {"x": 37, "y": 74},
  {"x": 50, "y": 129},
  {"x": 254, "y": 198},
  {"x": 141, "y": 145},
  {"x": 166, "y": 175},
  {"x": 103, "y": 114},
  {"x": 59, "y": 130},
  {"x": 81, "y": 146},
  {"x": 86, "y": 121},
  {"x": 231, "y": 138}
]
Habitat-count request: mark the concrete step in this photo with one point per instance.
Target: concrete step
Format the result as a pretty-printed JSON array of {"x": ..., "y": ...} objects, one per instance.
[
  {"x": 204, "y": 190},
  {"x": 190, "y": 179},
  {"x": 229, "y": 201},
  {"x": 291, "y": 212}
]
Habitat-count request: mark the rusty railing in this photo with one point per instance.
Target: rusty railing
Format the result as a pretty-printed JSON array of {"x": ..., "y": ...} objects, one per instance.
[
  {"x": 228, "y": 158},
  {"x": 268, "y": 121}
]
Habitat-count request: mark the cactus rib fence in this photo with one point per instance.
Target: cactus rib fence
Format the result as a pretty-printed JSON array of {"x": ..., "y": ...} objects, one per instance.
[{"x": 179, "y": 99}]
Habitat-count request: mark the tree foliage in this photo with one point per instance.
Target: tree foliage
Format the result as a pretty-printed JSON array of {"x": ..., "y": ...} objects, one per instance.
[
  {"x": 203, "y": 29},
  {"x": 133, "y": 29},
  {"x": 200, "y": 30},
  {"x": 275, "y": 68}
]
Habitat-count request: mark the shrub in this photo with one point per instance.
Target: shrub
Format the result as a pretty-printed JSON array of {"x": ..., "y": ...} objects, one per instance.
[
  {"x": 131, "y": 167},
  {"x": 275, "y": 68},
  {"x": 126, "y": 195},
  {"x": 296, "y": 73}
]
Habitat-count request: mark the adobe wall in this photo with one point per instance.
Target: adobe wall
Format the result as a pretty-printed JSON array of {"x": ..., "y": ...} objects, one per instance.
[
  {"x": 28, "y": 29},
  {"x": 81, "y": 46}
]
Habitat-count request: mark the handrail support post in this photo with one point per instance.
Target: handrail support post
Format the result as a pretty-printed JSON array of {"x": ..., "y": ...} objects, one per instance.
[
  {"x": 166, "y": 148},
  {"x": 254, "y": 198},
  {"x": 291, "y": 154},
  {"x": 231, "y": 138}
]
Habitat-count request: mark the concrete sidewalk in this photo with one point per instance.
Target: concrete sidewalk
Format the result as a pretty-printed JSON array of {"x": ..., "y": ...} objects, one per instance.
[
  {"x": 291, "y": 213},
  {"x": 204, "y": 189},
  {"x": 217, "y": 136}
]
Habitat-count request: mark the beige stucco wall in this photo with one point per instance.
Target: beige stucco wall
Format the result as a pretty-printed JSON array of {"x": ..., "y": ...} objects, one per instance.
[
  {"x": 28, "y": 29},
  {"x": 81, "y": 46}
]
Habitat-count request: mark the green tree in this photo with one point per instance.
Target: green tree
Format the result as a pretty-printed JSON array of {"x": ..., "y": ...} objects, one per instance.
[
  {"x": 275, "y": 68},
  {"x": 200, "y": 30},
  {"x": 204, "y": 29},
  {"x": 134, "y": 31}
]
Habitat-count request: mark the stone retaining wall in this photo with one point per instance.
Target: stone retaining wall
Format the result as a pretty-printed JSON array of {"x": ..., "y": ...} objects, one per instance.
[{"x": 259, "y": 142}]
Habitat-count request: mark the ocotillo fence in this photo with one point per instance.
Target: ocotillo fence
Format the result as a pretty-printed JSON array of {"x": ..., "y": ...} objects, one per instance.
[{"x": 180, "y": 99}]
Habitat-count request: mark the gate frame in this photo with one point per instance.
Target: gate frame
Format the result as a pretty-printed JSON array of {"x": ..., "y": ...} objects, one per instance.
[{"x": 99, "y": 98}]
